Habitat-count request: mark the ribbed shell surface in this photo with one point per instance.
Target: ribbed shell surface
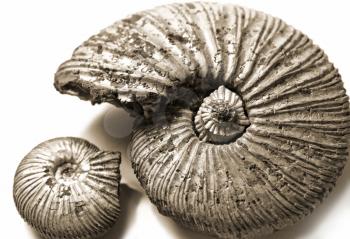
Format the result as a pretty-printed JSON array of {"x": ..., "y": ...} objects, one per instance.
[
  {"x": 284, "y": 163},
  {"x": 68, "y": 188}
]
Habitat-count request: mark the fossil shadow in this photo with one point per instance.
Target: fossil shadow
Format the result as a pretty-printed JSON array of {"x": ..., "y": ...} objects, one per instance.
[{"x": 129, "y": 199}]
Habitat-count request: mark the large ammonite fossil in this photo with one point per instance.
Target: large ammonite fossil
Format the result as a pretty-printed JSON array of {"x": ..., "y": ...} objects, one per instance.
[
  {"x": 246, "y": 120},
  {"x": 68, "y": 188}
]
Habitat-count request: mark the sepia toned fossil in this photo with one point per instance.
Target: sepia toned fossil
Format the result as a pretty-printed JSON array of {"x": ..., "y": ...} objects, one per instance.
[
  {"x": 68, "y": 188},
  {"x": 245, "y": 119}
]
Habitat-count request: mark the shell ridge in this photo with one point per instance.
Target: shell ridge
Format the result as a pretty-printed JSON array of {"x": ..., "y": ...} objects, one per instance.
[
  {"x": 302, "y": 158},
  {"x": 232, "y": 152},
  {"x": 293, "y": 182},
  {"x": 217, "y": 200},
  {"x": 275, "y": 57},
  {"x": 198, "y": 55},
  {"x": 250, "y": 60},
  {"x": 266, "y": 35},
  {"x": 231, "y": 55},
  {"x": 74, "y": 216},
  {"x": 231, "y": 214},
  {"x": 172, "y": 175},
  {"x": 89, "y": 219},
  {"x": 291, "y": 71},
  {"x": 175, "y": 49},
  {"x": 229, "y": 161},
  {"x": 217, "y": 50},
  {"x": 226, "y": 167},
  {"x": 179, "y": 40},
  {"x": 198, "y": 33},
  {"x": 310, "y": 82},
  {"x": 278, "y": 204},
  {"x": 181, "y": 194},
  {"x": 249, "y": 18}
]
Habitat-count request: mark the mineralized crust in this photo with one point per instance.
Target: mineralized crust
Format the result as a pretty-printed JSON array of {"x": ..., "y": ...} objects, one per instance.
[
  {"x": 166, "y": 63},
  {"x": 68, "y": 188}
]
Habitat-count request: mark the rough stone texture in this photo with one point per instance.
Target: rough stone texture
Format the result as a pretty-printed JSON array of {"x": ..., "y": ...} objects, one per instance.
[
  {"x": 164, "y": 64},
  {"x": 68, "y": 188}
]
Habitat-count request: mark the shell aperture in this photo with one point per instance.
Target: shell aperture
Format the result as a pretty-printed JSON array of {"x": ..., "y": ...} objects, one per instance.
[
  {"x": 256, "y": 118},
  {"x": 68, "y": 188}
]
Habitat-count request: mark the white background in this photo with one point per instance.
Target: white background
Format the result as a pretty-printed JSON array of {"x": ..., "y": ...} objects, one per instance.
[{"x": 36, "y": 36}]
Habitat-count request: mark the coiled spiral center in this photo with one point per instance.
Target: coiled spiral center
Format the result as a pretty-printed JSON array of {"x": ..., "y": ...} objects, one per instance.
[
  {"x": 221, "y": 117},
  {"x": 66, "y": 169}
]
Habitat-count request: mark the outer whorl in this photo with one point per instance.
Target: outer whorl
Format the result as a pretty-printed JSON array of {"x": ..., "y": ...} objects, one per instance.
[
  {"x": 68, "y": 188},
  {"x": 271, "y": 156}
]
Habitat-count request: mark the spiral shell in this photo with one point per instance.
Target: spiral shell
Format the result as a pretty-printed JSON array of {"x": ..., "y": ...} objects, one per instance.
[
  {"x": 68, "y": 188},
  {"x": 254, "y": 130},
  {"x": 221, "y": 117}
]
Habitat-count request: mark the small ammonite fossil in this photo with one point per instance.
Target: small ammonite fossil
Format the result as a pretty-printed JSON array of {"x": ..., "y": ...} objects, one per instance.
[
  {"x": 68, "y": 188},
  {"x": 247, "y": 120}
]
